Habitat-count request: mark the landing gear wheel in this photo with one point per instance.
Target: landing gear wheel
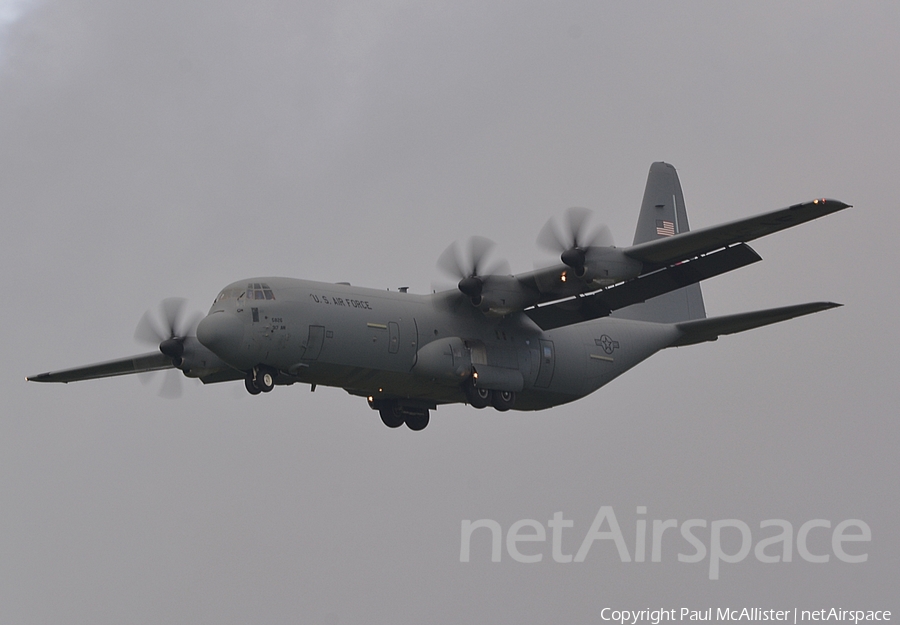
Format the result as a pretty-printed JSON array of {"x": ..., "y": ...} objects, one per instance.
[
  {"x": 476, "y": 396},
  {"x": 390, "y": 415},
  {"x": 265, "y": 379},
  {"x": 417, "y": 422},
  {"x": 503, "y": 400},
  {"x": 251, "y": 385}
]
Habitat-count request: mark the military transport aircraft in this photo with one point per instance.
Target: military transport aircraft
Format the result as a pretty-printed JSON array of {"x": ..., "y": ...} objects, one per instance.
[{"x": 525, "y": 342}]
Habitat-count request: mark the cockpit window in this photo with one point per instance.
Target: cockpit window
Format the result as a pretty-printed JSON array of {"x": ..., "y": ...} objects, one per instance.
[
  {"x": 255, "y": 290},
  {"x": 229, "y": 294},
  {"x": 259, "y": 290}
]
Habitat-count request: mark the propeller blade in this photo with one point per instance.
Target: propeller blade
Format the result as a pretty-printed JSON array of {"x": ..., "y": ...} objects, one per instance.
[
  {"x": 474, "y": 263},
  {"x": 576, "y": 233},
  {"x": 171, "y": 387},
  {"x": 147, "y": 332},
  {"x": 603, "y": 237},
  {"x": 499, "y": 267},
  {"x": 576, "y": 218},
  {"x": 175, "y": 324},
  {"x": 549, "y": 238},
  {"x": 472, "y": 270},
  {"x": 169, "y": 338},
  {"x": 171, "y": 309},
  {"x": 146, "y": 377},
  {"x": 479, "y": 249},
  {"x": 189, "y": 327},
  {"x": 449, "y": 261}
]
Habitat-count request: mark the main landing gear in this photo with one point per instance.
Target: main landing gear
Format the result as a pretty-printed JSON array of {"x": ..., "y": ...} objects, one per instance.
[
  {"x": 395, "y": 413},
  {"x": 260, "y": 380},
  {"x": 479, "y": 397}
]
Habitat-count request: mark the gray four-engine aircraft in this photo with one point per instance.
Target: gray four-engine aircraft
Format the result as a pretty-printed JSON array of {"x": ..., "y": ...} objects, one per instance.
[{"x": 525, "y": 342}]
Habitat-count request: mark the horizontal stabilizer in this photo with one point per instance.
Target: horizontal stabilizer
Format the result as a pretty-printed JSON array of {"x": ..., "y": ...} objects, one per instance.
[
  {"x": 641, "y": 289},
  {"x": 702, "y": 330},
  {"x": 664, "y": 251},
  {"x": 133, "y": 364}
]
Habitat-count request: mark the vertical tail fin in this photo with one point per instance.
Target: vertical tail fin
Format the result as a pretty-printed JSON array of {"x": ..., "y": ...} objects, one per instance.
[{"x": 663, "y": 214}]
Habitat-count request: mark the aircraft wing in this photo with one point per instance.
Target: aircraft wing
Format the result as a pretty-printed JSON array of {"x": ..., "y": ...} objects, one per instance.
[
  {"x": 700, "y": 330},
  {"x": 546, "y": 285},
  {"x": 668, "y": 250},
  {"x": 152, "y": 361},
  {"x": 642, "y": 288}
]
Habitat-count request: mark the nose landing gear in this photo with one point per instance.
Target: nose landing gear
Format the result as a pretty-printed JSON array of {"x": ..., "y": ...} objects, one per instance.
[
  {"x": 260, "y": 380},
  {"x": 250, "y": 385}
]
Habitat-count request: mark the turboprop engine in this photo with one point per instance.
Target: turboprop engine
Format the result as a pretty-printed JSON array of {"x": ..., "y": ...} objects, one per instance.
[{"x": 602, "y": 265}]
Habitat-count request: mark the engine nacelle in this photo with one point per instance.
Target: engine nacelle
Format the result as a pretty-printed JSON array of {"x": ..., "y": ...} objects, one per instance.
[
  {"x": 502, "y": 295},
  {"x": 196, "y": 360},
  {"x": 445, "y": 360},
  {"x": 608, "y": 265}
]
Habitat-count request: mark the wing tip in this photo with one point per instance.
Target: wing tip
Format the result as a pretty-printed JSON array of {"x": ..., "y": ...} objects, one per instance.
[
  {"x": 831, "y": 203},
  {"x": 40, "y": 377}
]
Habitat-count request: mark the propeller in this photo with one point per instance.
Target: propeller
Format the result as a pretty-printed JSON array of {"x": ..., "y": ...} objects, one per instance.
[
  {"x": 575, "y": 238},
  {"x": 471, "y": 266},
  {"x": 168, "y": 333}
]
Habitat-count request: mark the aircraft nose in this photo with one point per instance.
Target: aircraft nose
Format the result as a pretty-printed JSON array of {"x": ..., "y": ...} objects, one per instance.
[{"x": 222, "y": 333}]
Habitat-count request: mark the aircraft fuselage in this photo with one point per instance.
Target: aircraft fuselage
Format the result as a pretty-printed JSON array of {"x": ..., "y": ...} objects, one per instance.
[{"x": 393, "y": 344}]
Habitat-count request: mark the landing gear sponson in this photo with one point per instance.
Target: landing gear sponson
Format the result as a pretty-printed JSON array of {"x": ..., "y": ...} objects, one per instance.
[{"x": 396, "y": 412}]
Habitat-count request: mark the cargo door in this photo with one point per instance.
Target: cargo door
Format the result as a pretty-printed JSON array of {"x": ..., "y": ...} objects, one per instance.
[{"x": 314, "y": 342}]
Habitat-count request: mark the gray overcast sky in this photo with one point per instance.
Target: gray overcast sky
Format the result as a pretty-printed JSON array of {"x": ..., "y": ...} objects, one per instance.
[{"x": 155, "y": 149}]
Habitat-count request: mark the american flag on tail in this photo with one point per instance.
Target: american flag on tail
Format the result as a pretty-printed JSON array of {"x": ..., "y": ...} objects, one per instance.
[{"x": 665, "y": 228}]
